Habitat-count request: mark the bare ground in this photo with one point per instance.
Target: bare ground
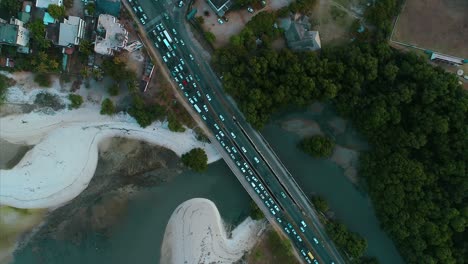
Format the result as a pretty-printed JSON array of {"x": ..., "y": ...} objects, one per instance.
[{"x": 438, "y": 25}]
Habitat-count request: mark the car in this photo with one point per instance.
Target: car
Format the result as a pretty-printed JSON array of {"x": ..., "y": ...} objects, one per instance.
[
  {"x": 235, "y": 151},
  {"x": 180, "y": 67},
  {"x": 158, "y": 28},
  {"x": 220, "y": 21},
  {"x": 158, "y": 38},
  {"x": 176, "y": 79},
  {"x": 186, "y": 94},
  {"x": 145, "y": 17},
  {"x": 271, "y": 200},
  {"x": 168, "y": 55},
  {"x": 175, "y": 32},
  {"x": 191, "y": 101},
  {"x": 302, "y": 229},
  {"x": 262, "y": 196},
  {"x": 276, "y": 208},
  {"x": 238, "y": 164},
  {"x": 223, "y": 144},
  {"x": 253, "y": 184},
  {"x": 246, "y": 165},
  {"x": 181, "y": 86},
  {"x": 164, "y": 59},
  {"x": 181, "y": 76},
  {"x": 272, "y": 211},
  {"x": 181, "y": 3},
  {"x": 227, "y": 149},
  {"x": 233, "y": 157},
  {"x": 142, "y": 21},
  {"x": 208, "y": 97},
  {"x": 316, "y": 240},
  {"x": 198, "y": 93},
  {"x": 204, "y": 117},
  {"x": 248, "y": 179},
  {"x": 216, "y": 126},
  {"x": 287, "y": 230},
  {"x": 254, "y": 178},
  {"x": 250, "y": 172},
  {"x": 175, "y": 69},
  {"x": 294, "y": 231},
  {"x": 195, "y": 99},
  {"x": 135, "y": 9},
  {"x": 267, "y": 203},
  {"x": 190, "y": 78},
  {"x": 279, "y": 220},
  {"x": 217, "y": 137},
  {"x": 173, "y": 53},
  {"x": 303, "y": 253},
  {"x": 233, "y": 135},
  {"x": 243, "y": 170},
  {"x": 140, "y": 9},
  {"x": 156, "y": 44},
  {"x": 244, "y": 150},
  {"x": 221, "y": 133},
  {"x": 166, "y": 16},
  {"x": 303, "y": 223},
  {"x": 182, "y": 61},
  {"x": 205, "y": 107},
  {"x": 221, "y": 117},
  {"x": 182, "y": 42},
  {"x": 282, "y": 194},
  {"x": 299, "y": 238},
  {"x": 310, "y": 262},
  {"x": 184, "y": 82},
  {"x": 191, "y": 57},
  {"x": 256, "y": 190},
  {"x": 194, "y": 85},
  {"x": 176, "y": 40},
  {"x": 261, "y": 187},
  {"x": 250, "y": 9},
  {"x": 289, "y": 225},
  {"x": 256, "y": 160}
]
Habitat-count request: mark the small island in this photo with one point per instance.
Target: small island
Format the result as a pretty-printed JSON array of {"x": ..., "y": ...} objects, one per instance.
[{"x": 317, "y": 146}]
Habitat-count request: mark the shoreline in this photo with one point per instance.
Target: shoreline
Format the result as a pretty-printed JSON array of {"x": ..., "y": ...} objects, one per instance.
[{"x": 196, "y": 233}]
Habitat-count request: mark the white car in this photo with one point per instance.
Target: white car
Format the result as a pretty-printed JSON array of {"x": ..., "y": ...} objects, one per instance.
[
  {"x": 250, "y": 9},
  {"x": 175, "y": 32},
  {"x": 182, "y": 42},
  {"x": 256, "y": 160},
  {"x": 316, "y": 241},
  {"x": 182, "y": 61},
  {"x": 244, "y": 150},
  {"x": 233, "y": 135},
  {"x": 207, "y": 95},
  {"x": 198, "y": 93},
  {"x": 233, "y": 157},
  {"x": 145, "y": 17},
  {"x": 220, "y": 21},
  {"x": 223, "y": 144},
  {"x": 216, "y": 126},
  {"x": 191, "y": 57},
  {"x": 205, "y": 107},
  {"x": 190, "y": 77},
  {"x": 164, "y": 58},
  {"x": 139, "y": 8},
  {"x": 221, "y": 117}
]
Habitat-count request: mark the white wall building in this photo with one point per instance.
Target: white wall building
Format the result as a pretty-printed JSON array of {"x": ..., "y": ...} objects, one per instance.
[{"x": 111, "y": 35}]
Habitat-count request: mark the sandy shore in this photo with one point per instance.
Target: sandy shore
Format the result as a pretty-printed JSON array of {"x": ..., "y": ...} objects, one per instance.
[
  {"x": 195, "y": 234},
  {"x": 66, "y": 146}
]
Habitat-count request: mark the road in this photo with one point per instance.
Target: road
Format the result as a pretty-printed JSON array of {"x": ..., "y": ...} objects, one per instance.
[{"x": 244, "y": 150}]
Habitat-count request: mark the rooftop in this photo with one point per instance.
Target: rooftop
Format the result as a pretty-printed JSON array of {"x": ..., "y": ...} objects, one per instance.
[
  {"x": 46, "y": 3},
  {"x": 71, "y": 31},
  {"x": 8, "y": 33},
  {"x": 298, "y": 33},
  {"x": 111, "y": 35},
  {"x": 220, "y": 6}
]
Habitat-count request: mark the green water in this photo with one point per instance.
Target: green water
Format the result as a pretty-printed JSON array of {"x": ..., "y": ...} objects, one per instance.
[{"x": 139, "y": 235}]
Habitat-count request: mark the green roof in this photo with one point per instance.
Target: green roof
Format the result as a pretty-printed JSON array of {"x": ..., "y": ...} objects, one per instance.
[
  {"x": 23, "y": 16},
  {"x": 8, "y": 33}
]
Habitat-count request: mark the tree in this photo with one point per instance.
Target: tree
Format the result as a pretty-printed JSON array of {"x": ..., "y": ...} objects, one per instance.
[
  {"x": 11, "y": 6},
  {"x": 196, "y": 159},
  {"x": 37, "y": 31},
  {"x": 76, "y": 100},
  {"x": 210, "y": 37},
  {"x": 255, "y": 212},
  {"x": 320, "y": 203},
  {"x": 317, "y": 146},
  {"x": 174, "y": 125},
  {"x": 107, "y": 107},
  {"x": 85, "y": 47},
  {"x": 56, "y": 11},
  {"x": 113, "y": 89},
  {"x": 143, "y": 113}
]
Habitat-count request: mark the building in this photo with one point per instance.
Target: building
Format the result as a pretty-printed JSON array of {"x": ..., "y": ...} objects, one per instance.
[
  {"x": 46, "y": 3},
  {"x": 25, "y": 14},
  {"x": 446, "y": 59},
  {"x": 110, "y": 35},
  {"x": 13, "y": 33},
  {"x": 110, "y": 7},
  {"x": 71, "y": 31},
  {"x": 220, "y": 6},
  {"x": 298, "y": 35}
]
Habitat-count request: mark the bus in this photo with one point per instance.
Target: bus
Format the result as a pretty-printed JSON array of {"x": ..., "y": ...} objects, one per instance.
[
  {"x": 197, "y": 108},
  {"x": 167, "y": 35},
  {"x": 310, "y": 255},
  {"x": 167, "y": 44}
]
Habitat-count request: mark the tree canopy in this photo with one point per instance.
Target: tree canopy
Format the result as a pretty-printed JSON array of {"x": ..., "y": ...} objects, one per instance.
[
  {"x": 11, "y": 6},
  {"x": 56, "y": 11},
  {"x": 107, "y": 107},
  {"x": 317, "y": 146},
  {"x": 196, "y": 159}
]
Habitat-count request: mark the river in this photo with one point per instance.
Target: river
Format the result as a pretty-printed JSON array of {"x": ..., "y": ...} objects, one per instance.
[{"x": 138, "y": 235}]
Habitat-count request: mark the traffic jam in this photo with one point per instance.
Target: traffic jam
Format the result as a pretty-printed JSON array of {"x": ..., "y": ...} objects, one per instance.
[{"x": 166, "y": 42}]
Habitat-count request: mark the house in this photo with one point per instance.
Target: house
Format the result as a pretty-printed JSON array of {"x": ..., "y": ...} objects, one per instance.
[
  {"x": 13, "y": 33},
  {"x": 110, "y": 7},
  {"x": 25, "y": 14},
  {"x": 46, "y": 3},
  {"x": 110, "y": 35},
  {"x": 220, "y": 6},
  {"x": 71, "y": 31},
  {"x": 298, "y": 35}
]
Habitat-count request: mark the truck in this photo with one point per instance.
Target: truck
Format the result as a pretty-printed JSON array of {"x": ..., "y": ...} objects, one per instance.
[
  {"x": 167, "y": 44},
  {"x": 310, "y": 255},
  {"x": 167, "y": 36},
  {"x": 197, "y": 108}
]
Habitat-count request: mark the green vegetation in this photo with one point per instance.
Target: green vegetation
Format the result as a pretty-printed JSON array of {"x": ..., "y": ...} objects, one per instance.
[
  {"x": 317, "y": 146},
  {"x": 255, "y": 211},
  {"x": 11, "y": 6},
  {"x": 413, "y": 114},
  {"x": 37, "y": 32},
  {"x": 143, "y": 113},
  {"x": 282, "y": 247},
  {"x": 43, "y": 79},
  {"x": 76, "y": 100},
  {"x": 90, "y": 8},
  {"x": 210, "y": 37},
  {"x": 56, "y": 11},
  {"x": 174, "y": 125},
  {"x": 5, "y": 82},
  {"x": 352, "y": 243},
  {"x": 41, "y": 62},
  {"x": 113, "y": 89},
  {"x": 107, "y": 107},
  {"x": 301, "y": 6},
  {"x": 320, "y": 203},
  {"x": 196, "y": 159},
  {"x": 117, "y": 69},
  {"x": 200, "y": 20},
  {"x": 68, "y": 3},
  {"x": 44, "y": 99},
  {"x": 85, "y": 48}
]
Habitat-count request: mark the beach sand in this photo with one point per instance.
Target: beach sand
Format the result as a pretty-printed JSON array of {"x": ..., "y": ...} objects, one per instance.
[{"x": 195, "y": 234}]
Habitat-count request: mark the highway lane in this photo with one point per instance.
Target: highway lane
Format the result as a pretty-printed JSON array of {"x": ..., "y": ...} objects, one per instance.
[{"x": 271, "y": 187}]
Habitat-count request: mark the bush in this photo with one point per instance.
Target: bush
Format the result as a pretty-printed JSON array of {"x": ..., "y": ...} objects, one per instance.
[
  {"x": 43, "y": 79},
  {"x": 5, "y": 82},
  {"x": 145, "y": 114},
  {"x": 320, "y": 203},
  {"x": 317, "y": 146},
  {"x": 107, "y": 107},
  {"x": 174, "y": 125},
  {"x": 55, "y": 11},
  {"x": 255, "y": 211},
  {"x": 210, "y": 37},
  {"x": 76, "y": 100},
  {"x": 113, "y": 89},
  {"x": 196, "y": 159},
  {"x": 349, "y": 241},
  {"x": 48, "y": 100}
]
